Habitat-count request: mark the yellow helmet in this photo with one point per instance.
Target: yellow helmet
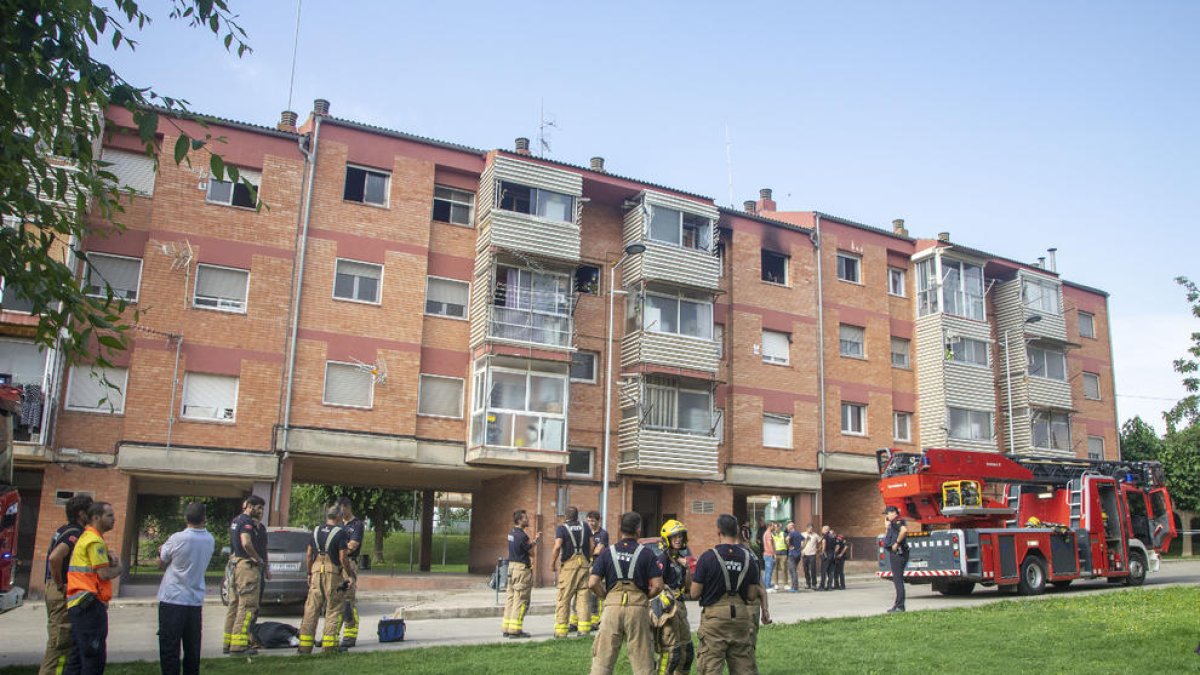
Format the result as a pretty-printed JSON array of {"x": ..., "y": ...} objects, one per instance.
[
  {"x": 670, "y": 529},
  {"x": 1033, "y": 521}
]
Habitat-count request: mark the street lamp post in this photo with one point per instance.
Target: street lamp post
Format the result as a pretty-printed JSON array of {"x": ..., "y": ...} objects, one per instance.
[
  {"x": 632, "y": 249},
  {"x": 1008, "y": 376}
]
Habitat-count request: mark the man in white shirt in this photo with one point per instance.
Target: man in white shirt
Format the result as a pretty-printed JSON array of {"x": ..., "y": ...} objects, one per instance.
[{"x": 184, "y": 558}]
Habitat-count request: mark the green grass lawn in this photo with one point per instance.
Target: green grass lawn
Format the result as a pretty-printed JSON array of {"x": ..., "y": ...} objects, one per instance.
[
  {"x": 1151, "y": 631},
  {"x": 397, "y": 554}
]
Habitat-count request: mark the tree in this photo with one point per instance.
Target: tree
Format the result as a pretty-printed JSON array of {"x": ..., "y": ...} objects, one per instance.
[
  {"x": 1181, "y": 445},
  {"x": 1139, "y": 440},
  {"x": 1187, "y": 411},
  {"x": 386, "y": 510},
  {"x": 53, "y": 190}
]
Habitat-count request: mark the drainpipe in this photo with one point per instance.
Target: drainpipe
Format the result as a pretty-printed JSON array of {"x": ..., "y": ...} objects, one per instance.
[
  {"x": 822, "y": 451},
  {"x": 174, "y": 383},
  {"x": 310, "y": 158}
]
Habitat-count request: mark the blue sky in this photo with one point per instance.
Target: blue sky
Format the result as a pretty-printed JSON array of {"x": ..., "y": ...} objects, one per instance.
[{"x": 1015, "y": 126}]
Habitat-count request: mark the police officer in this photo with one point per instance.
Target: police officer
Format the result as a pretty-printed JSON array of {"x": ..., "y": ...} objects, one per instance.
[
  {"x": 828, "y": 544},
  {"x": 668, "y": 611},
  {"x": 840, "y": 552},
  {"x": 520, "y": 576},
  {"x": 896, "y": 544},
  {"x": 572, "y": 543},
  {"x": 60, "y": 648},
  {"x": 627, "y": 577},
  {"x": 328, "y": 579},
  {"x": 354, "y": 533},
  {"x": 244, "y": 575},
  {"x": 727, "y": 582},
  {"x": 599, "y": 543}
]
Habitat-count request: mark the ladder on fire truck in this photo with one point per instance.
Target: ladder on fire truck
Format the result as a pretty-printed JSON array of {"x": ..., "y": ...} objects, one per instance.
[{"x": 1069, "y": 472}]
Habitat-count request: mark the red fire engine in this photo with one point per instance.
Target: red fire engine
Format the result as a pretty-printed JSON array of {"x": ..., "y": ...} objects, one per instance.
[
  {"x": 1024, "y": 521},
  {"x": 11, "y": 595}
]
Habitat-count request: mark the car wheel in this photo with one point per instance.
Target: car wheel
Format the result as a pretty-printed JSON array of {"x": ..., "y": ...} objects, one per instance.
[
  {"x": 1137, "y": 569},
  {"x": 1033, "y": 576}
]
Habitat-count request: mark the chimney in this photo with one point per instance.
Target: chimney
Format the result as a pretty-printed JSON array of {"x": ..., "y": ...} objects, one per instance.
[
  {"x": 1053, "y": 260},
  {"x": 522, "y": 146},
  {"x": 765, "y": 203},
  {"x": 287, "y": 121},
  {"x": 321, "y": 107},
  {"x": 944, "y": 237},
  {"x": 1041, "y": 263},
  {"x": 749, "y": 206},
  {"x": 598, "y": 164},
  {"x": 898, "y": 227}
]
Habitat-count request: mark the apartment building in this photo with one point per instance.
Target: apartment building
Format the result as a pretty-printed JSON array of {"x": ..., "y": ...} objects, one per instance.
[{"x": 416, "y": 314}]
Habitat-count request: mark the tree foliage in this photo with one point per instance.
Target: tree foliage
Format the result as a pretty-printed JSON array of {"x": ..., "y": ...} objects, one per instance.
[
  {"x": 385, "y": 510},
  {"x": 1187, "y": 411},
  {"x": 160, "y": 516},
  {"x": 53, "y": 189},
  {"x": 1139, "y": 440}
]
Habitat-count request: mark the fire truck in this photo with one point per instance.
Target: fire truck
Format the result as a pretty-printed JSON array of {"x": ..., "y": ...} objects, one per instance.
[
  {"x": 1020, "y": 522},
  {"x": 11, "y": 595}
]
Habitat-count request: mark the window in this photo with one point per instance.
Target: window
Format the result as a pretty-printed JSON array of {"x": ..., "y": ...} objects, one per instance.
[
  {"x": 902, "y": 426},
  {"x": 900, "y": 352},
  {"x": 1049, "y": 363},
  {"x": 968, "y": 350},
  {"x": 452, "y": 206},
  {"x": 519, "y": 407},
  {"x": 673, "y": 407},
  {"x": 1040, "y": 296},
  {"x": 1091, "y": 386},
  {"x": 849, "y": 267},
  {"x": 679, "y": 315},
  {"x": 896, "y": 281},
  {"x": 537, "y": 202},
  {"x": 366, "y": 186},
  {"x": 927, "y": 299},
  {"x": 122, "y": 274},
  {"x": 680, "y": 229},
  {"x": 1087, "y": 325},
  {"x": 854, "y": 419},
  {"x": 210, "y": 397},
  {"x": 776, "y": 347},
  {"x": 587, "y": 279},
  {"x": 134, "y": 170},
  {"x": 357, "y": 281},
  {"x": 583, "y": 367},
  {"x": 1095, "y": 447},
  {"x": 962, "y": 289},
  {"x": 232, "y": 193},
  {"x": 531, "y": 306},
  {"x": 97, "y": 389},
  {"x": 13, "y": 301},
  {"x": 719, "y": 338},
  {"x": 777, "y": 431},
  {"x": 347, "y": 384},
  {"x": 221, "y": 288},
  {"x": 446, "y": 297},
  {"x": 852, "y": 341},
  {"x": 774, "y": 268},
  {"x": 1051, "y": 430},
  {"x": 970, "y": 425},
  {"x": 579, "y": 462},
  {"x": 440, "y": 396}
]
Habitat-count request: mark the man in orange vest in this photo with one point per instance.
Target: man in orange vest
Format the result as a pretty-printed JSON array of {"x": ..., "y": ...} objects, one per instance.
[{"x": 89, "y": 588}]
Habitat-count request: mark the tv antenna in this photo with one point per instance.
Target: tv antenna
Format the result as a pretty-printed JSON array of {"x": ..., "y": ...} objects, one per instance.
[
  {"x": 295, "y": 48},
  {"x": 544, "y": 127},
  {"x": 729, "y": 162}
]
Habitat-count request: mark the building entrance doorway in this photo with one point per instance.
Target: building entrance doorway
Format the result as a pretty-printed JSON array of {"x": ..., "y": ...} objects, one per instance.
[{"x": 647, "y": 501}]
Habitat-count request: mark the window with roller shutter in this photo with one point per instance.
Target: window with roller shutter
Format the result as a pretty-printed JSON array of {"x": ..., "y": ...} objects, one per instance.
[
  {"x": 447, "y": 297},
  {"x": 440, "y": 396},
  {"x": 776, "y": 347},
  {"x": 357, "y": 281},
  {"x": 221, "y": 288},
  {"x": 348, "y": 385},
  {"x": 97, "y": 389},
  {"x": 134, "y": 170},
  {"x": 122, "y": 274},
  {"x": 209, "y": 397}
]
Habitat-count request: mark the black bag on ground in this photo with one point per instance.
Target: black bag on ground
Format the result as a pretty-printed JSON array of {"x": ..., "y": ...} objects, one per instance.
[{"x": 275, "y": 635}]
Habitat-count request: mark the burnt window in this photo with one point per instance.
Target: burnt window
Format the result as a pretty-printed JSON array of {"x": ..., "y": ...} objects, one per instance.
[
  {"x": 774, "y": 267},
  {"x": 366, "y": 186},
  {"x": 537, "y": 202},
  {"x": 587, "y": 279}
]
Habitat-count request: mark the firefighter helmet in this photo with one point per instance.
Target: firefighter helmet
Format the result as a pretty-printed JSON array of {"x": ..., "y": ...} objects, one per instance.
[
  {"x": 1033, "y": 521},
  {"x": 671, "y": 528}
]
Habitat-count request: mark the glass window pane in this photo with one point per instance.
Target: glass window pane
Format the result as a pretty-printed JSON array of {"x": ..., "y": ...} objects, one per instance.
[
  {"x": 661, "y": 314},
  {"x": 695, "y": 411},
  {"x": 376, "y": 189},
  {"x": 695, "y": 319},
  {"x": 441, "y": 396},
  {"x": 219, "y": 191},
  {"x": 555, "y": 206},
  {"x": 547, "y": 394},
  {"x": 664, "y": 225},
  {"x": 508, "y": 390}
]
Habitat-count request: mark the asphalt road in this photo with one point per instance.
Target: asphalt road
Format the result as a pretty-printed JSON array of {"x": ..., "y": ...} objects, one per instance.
[{"x": 132, "y": 633}]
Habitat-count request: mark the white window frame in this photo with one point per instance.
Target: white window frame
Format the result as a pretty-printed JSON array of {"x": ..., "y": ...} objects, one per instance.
[
  {"x": 595, "y": 362},
  {"x": 466, "y": 306},
  {"x": 969, "y": 303},
  {"x": 325, "y": 388},
  {"x": 591, "y": 453},
  {"x": 776, "y": 418},
  {"x": 1044, "y": 301},
  {"x": 843, "y": 268},
  {"x": 772, "y": 359},
  {"x": 532, "y": 302},
  {"x": 907, "y": 353},
  {"x": 106, "y": 407},
  {"x": 1046, "y": 417},
  {"x": 461, "y": 394},
  {"x": 99, "y": 292},
  {"x": 679, "y": 299},
  {"x": 535, "y": 202},
  {"x": 972, "y": 421},
  {"x": 897, "y": 280},
  {"x": 481, "y": 400},
  {"x": 848, "y": 420},
  {"x": 387, "y": 185},
  {"x": 1091, "y": 323},
  {"x": 1094, "y": 377},
  {"x": 679, "y": 228},
  {"x": 928, "y": 300},
  {"x": 1046, "y": 356},
  {"x": 958, "y": 352},
  {"x": 223, "y": 304},
  {"x": 906, "y": 437},
  {"x": 1092, "y": 455},
  {"x": 453, "y": 201},
  {"x": 787, "y": 263},
  {"x": 183, "y": 405},
  {"x": 843, "y": 342},
  {"x": 378, "y": 289},
  {"x": 253, "y": 176},
  {"x": 673, "y": 417}
]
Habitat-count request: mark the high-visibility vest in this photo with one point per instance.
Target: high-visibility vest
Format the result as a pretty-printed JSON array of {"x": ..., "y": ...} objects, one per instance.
[{"x": 83, "y": 576}]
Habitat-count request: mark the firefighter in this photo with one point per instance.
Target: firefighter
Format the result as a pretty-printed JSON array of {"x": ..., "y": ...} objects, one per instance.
[
  {"x": 668, "y": 612},
  {"x": 894, "y": 542},
  {"x": 354, "y": 537},
  {"x": 520, "y": 576},
  {"x": 244, "y": 576},
  {"x": 627, "y": 576},
  {"x": 571, "y": 549},
  {"x": 60, "y": 648},
  {"x": 599, "y": 543},
  {"x": 727, "y": 583},
  {"x": 328, "y": 579},
  {"x": 841, "y": 551}
]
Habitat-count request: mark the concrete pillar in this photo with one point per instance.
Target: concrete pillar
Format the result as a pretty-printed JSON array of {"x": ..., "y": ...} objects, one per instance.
[
  {"x": 1186, "y": 519},
  {"x": 426, "y": 558},
  {"x": 279, "y": 517}
]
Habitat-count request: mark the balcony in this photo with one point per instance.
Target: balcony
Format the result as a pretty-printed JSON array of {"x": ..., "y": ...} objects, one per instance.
[
  {"x": 679, "y": 235},
  {"x": 518, "y": 413},
  {"x": 529, "y": 208},
  {"x": 26, "y": 365},
  {"x": 667, "y": 427},
  {"x": 669, "y": 328},
  {"x": 523, "y": 306},
  {"x": 669, "y": 350}
]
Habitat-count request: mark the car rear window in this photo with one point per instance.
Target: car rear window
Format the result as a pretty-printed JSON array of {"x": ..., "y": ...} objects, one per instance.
[{"x": 287, "y": 542}]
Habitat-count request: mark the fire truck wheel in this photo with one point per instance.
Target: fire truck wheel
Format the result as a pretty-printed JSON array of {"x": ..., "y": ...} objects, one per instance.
[
  {"x": 1033, "y": 576},
  {"x": 1137, "y": 569}
]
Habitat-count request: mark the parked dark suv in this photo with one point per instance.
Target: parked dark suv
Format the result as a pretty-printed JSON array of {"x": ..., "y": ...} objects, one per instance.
[{"x": 288, "y": 584}]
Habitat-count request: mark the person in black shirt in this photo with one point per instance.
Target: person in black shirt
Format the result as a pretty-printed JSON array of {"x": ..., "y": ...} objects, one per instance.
[
  {"x": 840, "y": 552},
  {"x": 60, "y": 648},
  {"x": 520, "y": 576},
  {"x": 354, "y": 537},
  {"x": 828, "y": 548},
  {"x": 896, "y": 544},
  {"x": 599, "y": 543},
  {"x": 572, "y": 551},
  {"x": 726, "y": 583},
  {"x": 244, "y": 575},
  {"x": 627, "y": 575},
  {"x": 328, "y": 579},
  {"x": 668, "y": 612}
]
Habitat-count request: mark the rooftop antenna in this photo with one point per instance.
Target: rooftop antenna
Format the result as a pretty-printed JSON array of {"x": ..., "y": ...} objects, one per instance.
[
  {"x": 543, "y": 125},
  {"x": 729, "y": 161},
  {"x": 295, "y": 47}
]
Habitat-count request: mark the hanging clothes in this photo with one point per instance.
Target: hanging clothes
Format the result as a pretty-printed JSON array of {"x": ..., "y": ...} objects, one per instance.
[{"x": 31, "y": 406}]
